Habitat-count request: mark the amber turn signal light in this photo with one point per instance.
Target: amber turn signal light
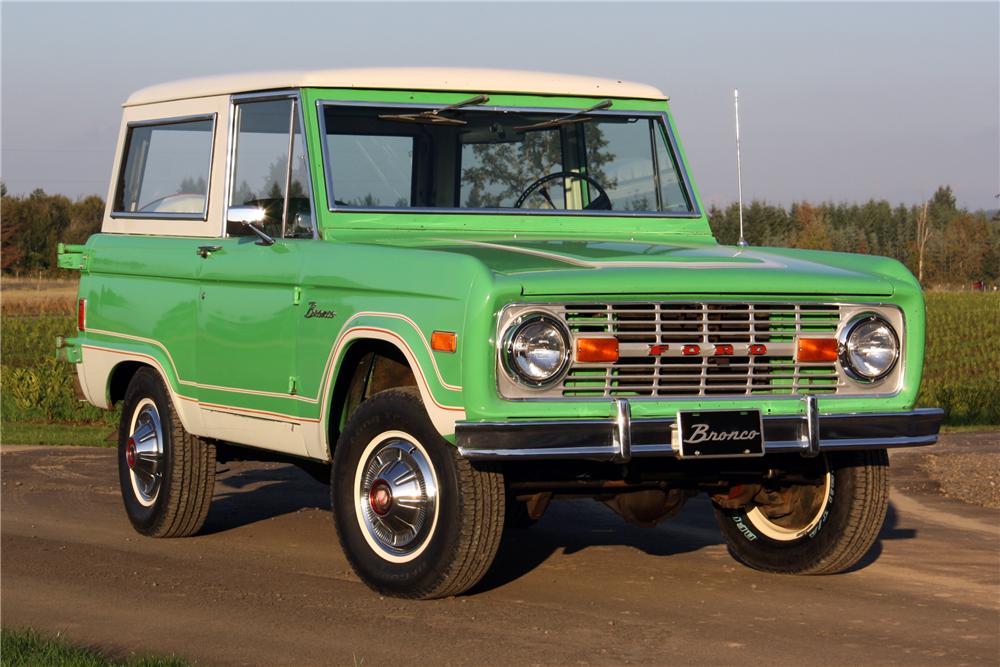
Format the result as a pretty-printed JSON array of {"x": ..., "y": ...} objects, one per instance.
[
  {"x": 816, "y": 349},
  {"x": 444, "y": 341},
  {"x": 596, "y": 349}
]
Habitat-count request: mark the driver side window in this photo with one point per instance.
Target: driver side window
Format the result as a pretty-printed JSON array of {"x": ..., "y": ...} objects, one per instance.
[{"x": 263, "y": 175}]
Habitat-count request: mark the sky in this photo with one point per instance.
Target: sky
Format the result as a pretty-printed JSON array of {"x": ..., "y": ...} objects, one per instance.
[{"x": 838, "y": 102}]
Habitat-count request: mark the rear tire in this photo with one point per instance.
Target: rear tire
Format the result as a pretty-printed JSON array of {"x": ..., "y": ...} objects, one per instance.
[
  {"x": 166, "y": 475},
  {"x": 414, "y": 518},
  {"x": 832, "y": 525}
]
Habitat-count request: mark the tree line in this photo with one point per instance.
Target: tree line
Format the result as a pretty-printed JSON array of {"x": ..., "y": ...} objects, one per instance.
[{"x": 942, "y": 244}]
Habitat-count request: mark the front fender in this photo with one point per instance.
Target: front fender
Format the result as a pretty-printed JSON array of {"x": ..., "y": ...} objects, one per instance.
[{"x": 442, "y": 396}]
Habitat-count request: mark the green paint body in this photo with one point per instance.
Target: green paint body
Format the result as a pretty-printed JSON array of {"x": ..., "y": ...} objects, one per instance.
[{"x": 236, "y": 320}]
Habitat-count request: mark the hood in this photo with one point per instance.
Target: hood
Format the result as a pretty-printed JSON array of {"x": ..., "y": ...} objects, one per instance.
[{"x": 561, "y": 266}]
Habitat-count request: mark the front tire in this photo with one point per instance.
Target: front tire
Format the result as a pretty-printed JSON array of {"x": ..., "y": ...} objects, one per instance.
[
  {"x": 166, "y": 475},
  {"x": 414, "y": 518},
  {"x": 823, "y": 528}
]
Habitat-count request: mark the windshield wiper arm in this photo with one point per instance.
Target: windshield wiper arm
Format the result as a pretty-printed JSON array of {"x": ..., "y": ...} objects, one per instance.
[
  {"x": 575, "y": 117},
  {"x": 433, "y": 116}
]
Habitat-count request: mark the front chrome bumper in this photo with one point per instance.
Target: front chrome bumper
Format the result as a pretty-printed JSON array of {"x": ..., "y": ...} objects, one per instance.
[{"x": 621, "y": 438}]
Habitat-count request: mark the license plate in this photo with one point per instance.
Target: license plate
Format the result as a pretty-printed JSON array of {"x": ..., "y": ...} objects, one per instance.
[{"x": 710, "y": 434}]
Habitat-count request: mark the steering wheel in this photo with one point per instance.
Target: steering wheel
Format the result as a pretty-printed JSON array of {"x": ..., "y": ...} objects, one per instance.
[{"x": 602, "y": 203}]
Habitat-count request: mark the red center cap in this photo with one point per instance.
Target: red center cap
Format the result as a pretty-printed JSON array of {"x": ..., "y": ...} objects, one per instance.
[
  {"x": 380, "y": 497},
  {"x": 130, "y": 454}
]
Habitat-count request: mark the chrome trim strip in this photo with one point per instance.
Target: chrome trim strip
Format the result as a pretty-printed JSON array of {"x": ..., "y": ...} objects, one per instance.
[
  {"x": 309, "y": 175},
  {"x": 517, "y": 212},
  {"x": 126, "y": 215},
  {"x": 170, "y": 120},
  {"x": 639, "y": 451},
  {"x": 269, "y": 95},
  {"x": 898, "y": 441},
  {"x": 541, "y": 454},
  {"x": 230, "y": 166}
]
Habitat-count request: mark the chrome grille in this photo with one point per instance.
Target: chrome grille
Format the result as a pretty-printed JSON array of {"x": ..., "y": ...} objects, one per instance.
[{"x": 657, "y": 342}]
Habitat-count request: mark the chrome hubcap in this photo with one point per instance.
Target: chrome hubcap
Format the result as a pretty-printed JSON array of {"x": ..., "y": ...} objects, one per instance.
[
  {"x": 144, "y": 452},
  {"x": 380, "y": 497},
  {"x": 804, "y": 510},
  {"x": 396, "y": 496}
]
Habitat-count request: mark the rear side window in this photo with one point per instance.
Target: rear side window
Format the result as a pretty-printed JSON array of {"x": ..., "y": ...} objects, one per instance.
[{"x": 166, "y": 168}]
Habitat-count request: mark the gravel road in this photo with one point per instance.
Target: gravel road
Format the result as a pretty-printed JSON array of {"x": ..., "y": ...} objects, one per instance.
[{"x": 266, "y": 583}]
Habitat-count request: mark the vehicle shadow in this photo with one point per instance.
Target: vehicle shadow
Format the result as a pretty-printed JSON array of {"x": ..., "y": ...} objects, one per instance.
[
  {"x": 891, "y": 530},
  {"x": 570, "y": 526},
  {"x": 250, "y": 492}
]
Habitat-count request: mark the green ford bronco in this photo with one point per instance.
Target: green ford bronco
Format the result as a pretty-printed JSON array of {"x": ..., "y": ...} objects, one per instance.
[{"x": 456, "y": 295}]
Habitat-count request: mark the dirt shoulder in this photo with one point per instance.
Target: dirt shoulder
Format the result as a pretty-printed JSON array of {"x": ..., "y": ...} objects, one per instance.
[
  {"x": 266, "y": 583},
  {"x": 962, "y": 466}
]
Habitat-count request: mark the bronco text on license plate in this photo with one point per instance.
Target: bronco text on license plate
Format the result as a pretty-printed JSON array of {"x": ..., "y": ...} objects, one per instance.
[{"x": 720, "y": 433}]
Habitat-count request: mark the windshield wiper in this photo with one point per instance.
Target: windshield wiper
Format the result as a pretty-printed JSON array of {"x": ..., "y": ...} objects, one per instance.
[
  {"x": 433, "y": 116},
  {"x": 575, "y": 117}
]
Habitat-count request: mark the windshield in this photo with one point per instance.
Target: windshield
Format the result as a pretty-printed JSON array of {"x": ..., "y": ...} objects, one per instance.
[{"x": 501, "y": 159}]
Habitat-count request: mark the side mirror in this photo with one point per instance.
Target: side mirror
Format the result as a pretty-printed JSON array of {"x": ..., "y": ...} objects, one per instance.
[{"x": 247, "y": 216}]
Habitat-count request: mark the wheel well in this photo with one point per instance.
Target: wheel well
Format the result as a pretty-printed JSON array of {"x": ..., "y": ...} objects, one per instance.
[
  {"x": 120, "y": 378},
  {"x": 369, "y": 366}
]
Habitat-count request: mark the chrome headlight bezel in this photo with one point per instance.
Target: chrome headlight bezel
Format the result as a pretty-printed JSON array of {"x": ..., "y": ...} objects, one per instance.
[
  {"x": 845, "y": 351},
  {"x": 517, "y": 327}
]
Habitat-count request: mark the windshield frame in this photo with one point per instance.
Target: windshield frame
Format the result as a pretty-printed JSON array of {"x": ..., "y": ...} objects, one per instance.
[{"x": 661, "y": 117}]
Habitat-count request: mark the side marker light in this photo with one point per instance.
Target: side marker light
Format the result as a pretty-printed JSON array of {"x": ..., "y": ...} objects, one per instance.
[{"x": 444, "y": 341}]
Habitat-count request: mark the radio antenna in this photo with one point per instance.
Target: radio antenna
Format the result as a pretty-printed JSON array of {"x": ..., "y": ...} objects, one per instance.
[{"x": 739, "y": 167}]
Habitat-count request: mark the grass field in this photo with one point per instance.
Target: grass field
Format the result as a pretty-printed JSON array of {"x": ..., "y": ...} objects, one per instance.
[
  {"x": 37, "y": 405},
  {"x": 962, "y": 362},
  {"x": 27, "y": 648},
  {"x": 55, "y": 433},
  {"x": 22, "y": 296}
]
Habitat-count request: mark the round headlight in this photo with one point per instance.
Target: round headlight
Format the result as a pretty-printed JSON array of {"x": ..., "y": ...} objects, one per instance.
[
  {"x": 536, "y": 350},
  {"x": 870, "y": 348}
]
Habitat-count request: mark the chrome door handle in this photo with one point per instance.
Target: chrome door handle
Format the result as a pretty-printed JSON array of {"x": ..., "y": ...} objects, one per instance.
[{"x": 206, "y": 250}]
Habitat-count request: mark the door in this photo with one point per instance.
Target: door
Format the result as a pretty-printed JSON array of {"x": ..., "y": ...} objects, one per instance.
[{"x": 250, "y": 297}]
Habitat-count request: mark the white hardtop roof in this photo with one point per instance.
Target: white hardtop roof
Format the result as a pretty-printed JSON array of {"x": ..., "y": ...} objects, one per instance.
[{"x": 399, "y": 78}]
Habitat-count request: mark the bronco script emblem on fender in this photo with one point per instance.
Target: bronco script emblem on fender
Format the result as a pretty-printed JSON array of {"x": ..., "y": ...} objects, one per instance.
[{"x": 313, "y": 311}]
